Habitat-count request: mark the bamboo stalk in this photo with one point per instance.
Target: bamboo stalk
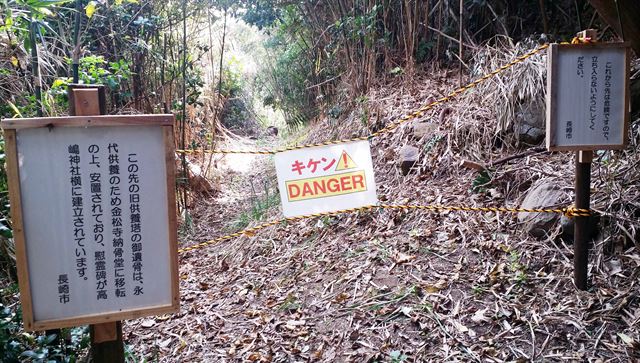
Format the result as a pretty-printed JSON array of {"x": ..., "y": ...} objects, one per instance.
[
  {"x": 183, "y": 123},
  {"x": 543, "y": 12},
  {"x": 35, "y": 67},
  {"x": 461, "y": 44}
]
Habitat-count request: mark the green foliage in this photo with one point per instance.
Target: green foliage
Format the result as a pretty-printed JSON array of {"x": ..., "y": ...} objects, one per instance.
[
  {"x": 26, "y": 108},
  {"x": 396, "y": 71},
  {"x": 518, "y": 269},
  {"x": 290, "y": 304},
  {"x": 96, "y": 70},
  {"x": 423, "y": 50},
  {"x": 260, "y": 13},
  {"x": 19, "y": 16},
  {"x": 433, "y": 141},
  {"x": 17, "y": 345},
  {"x": 193, "y": 84},
  {"x": 285, "y": 87},
  {"x": 478, "y": 289},
  {"x": 480, "y": 183},
  {"x": 364, "y": 111},
  {"x": 260, "y": 205},
  {"x": 362, "y": 26},
  {"x": 232, "y": 83},
  {"x": 5, "y": 231}
]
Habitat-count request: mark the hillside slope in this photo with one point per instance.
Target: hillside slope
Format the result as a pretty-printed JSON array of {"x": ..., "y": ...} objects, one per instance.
[{"x": 394, "y": 286}]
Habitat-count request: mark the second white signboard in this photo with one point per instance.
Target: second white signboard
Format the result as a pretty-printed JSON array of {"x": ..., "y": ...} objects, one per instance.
[{"x": 587, "y": 96}]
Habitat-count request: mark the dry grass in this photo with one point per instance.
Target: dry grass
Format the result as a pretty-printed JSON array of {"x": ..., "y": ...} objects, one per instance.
[
  {"x": 390, "y": 286},
  {"x": 519, "y": 90}
]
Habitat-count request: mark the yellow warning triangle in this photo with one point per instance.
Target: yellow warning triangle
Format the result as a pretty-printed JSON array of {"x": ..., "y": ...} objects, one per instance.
[{"x": 345, "y": 162}]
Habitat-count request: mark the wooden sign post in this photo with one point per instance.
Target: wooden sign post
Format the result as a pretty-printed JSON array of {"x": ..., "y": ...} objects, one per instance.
[
  {"x": 107, "y": 344},
  {"x": 587, "y": 110},
  {"x": 93, "y": 208}
]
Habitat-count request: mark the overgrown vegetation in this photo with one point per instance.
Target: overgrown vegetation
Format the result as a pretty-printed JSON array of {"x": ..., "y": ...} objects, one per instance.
[
  {"x": 19, "y": 346},
  {"x": 310, "y": 60}
]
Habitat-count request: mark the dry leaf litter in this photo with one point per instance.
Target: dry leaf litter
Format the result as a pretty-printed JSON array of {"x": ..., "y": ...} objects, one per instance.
[{"x": 393, "y": 286}]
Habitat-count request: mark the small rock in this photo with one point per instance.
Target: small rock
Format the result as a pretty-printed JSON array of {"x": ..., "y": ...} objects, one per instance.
[
  {"x": 408, "y": 158},
  {"x": 424, "y": 129},
  {"x": 272, "y": 131},
  {"x": 544, "y": 194},
  {"x": 148, "y": 323},
  {"x": 530, "y": 134},
  {"x": 567, "y": 225},
  {"x": 531, "y": 114}
]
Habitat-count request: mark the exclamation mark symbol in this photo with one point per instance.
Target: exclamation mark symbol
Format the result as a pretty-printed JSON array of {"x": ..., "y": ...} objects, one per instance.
[{"x": 345, "y": 162}]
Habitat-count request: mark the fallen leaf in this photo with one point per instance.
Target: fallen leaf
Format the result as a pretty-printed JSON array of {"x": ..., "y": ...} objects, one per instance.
[
  {"x": 292, "y": 324},
  {"x": 625, "y": 338},
  {"x": 479, "y": 317},
  {"x": 342, "y": 297},
  {"x": 406, "y": 311},
  {"x": 400, "y": 257}
]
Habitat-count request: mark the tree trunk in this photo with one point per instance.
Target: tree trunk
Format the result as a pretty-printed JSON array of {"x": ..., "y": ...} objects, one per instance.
[{"x": 629, "y": 13}]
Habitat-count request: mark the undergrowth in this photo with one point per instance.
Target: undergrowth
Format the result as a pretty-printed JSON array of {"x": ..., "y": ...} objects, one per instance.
[
  {"x": 16, "y": 345},
  {"x": 261, "y": 203}
]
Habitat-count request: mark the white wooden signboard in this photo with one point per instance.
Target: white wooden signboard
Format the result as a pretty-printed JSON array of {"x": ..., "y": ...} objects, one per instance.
[
  {"x": 326, "y": 178},
  {"x": 587, "y": 96},
  {"x": 92, "y": 200}
]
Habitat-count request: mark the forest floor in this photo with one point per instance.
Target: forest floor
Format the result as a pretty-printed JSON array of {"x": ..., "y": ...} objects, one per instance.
[{"x": 393, "y": 286}]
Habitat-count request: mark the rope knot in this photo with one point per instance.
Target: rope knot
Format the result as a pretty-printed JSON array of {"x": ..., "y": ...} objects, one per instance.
[{"x": 576, "y": 212}]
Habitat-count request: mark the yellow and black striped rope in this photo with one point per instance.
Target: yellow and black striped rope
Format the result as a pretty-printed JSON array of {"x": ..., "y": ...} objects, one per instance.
[
  {"x": 392, "y": 126},
  {"x": 569, "y": 212}
]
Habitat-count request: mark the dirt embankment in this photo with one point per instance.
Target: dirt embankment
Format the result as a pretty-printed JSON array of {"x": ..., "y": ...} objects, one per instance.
[{"x": 392, "y": 286}]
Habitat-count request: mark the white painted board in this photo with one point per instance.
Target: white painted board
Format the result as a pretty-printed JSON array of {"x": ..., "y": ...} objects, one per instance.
[
  {"x": 76, "y": 193},
  {"x": 587, "y": 104},
  {"x": 326, "y": 178}
]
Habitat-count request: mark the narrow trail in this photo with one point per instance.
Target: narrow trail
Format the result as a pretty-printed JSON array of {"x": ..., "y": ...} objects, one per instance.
[{"x": 242, "y": 183}]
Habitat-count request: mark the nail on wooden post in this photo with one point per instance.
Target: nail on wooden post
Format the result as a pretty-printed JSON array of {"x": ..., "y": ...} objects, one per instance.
[{"x": 581, "y": 226}]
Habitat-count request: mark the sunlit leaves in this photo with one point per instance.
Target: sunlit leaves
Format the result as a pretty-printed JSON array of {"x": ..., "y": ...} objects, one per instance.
[
  {"x": 90, "y": 9},
  {"x": 7, "y": 21}
]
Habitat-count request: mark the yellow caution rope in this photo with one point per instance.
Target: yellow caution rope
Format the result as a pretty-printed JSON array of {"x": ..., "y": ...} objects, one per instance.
[{"x": 250, "y": 232}]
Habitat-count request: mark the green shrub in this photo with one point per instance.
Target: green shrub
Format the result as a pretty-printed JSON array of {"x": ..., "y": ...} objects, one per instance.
[{"x": 17, "y": 345}]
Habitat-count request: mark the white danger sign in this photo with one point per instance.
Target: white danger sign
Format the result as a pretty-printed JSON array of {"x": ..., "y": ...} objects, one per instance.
[
  {"x": 326, "y": 178},
  {"x": 587, "y": 96}
]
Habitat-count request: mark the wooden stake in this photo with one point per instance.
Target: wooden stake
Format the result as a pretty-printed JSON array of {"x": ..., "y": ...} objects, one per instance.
[
  {"x": 581, "y": 226},
  {"x": 461, "y": 45},
  {"x": 107, "y": 345}
]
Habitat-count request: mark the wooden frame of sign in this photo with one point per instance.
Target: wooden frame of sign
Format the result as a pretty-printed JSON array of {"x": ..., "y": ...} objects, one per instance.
[
  {"x": 574, "y": 105},
  {"x": 162, "y": 128}
]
